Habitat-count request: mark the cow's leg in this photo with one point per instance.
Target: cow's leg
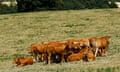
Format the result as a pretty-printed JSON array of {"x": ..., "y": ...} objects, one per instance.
[
  {"x": 62, "y": 58},
  {"x": 99, "y": 53},
  {"x": 96, "y": 51},
  {"x": 48, "y": 58},
  {"x": 21, "y": 65},
  {"x": 104, "y": 52},
  {"x": 42, "y": 55},
  {"x": 35, "y": 57}
]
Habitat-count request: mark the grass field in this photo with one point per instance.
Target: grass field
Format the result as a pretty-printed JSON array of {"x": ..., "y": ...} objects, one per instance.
[{"x": 19, "y": 31}]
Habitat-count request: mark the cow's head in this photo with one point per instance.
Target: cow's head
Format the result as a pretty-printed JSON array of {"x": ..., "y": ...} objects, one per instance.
[
  {"x": 73, "y": 46},
  {"x": 16, "y": 61}
]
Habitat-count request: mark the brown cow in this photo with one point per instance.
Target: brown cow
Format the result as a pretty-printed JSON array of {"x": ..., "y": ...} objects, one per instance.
[
  {"x": 84, "y": 42},
  {"x": 23, "y": 61},
  {"x": 56, "y": 48},
  {"x": 55, "y": 57},
  {"x": 78, "y": 56},
  {"x": 90, "y": 56},
  {"x": 73, "y": 46},
  {"x": 76, "y": 45},
  {"x": 40, "y": 51},
  {"x": 100, "y": 45},
  {"x": 37, "y": 49}
]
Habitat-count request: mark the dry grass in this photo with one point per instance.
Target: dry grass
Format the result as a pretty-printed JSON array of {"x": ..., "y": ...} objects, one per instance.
[{"x": 18, "y": 31}]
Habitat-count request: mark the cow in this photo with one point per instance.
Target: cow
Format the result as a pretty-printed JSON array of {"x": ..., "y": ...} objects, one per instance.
[
  {"x": 76, "y": 45},
  {"x": 41, "y": 51},
  {"x": 56, "y": 48},
  {"x": 36, "y": 50},
  {"x": 73, "y": 45},
  {"x": 22, "y": 61},
  {"x": 100, "y": 45},
  {"x": 78, "y": 56},
  {"x": 55, "y": 57},
  {"x": 90, "y": 56},
  {"x": 84, "y": 42}
]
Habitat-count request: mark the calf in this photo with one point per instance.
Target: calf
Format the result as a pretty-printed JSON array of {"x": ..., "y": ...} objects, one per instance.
[{"x": 23, "y": 61}]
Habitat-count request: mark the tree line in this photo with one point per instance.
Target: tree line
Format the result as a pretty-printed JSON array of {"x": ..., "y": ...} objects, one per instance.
[{"x": 37, "y": 5}]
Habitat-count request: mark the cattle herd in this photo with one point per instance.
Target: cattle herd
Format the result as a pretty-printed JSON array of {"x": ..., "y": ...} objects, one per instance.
[{"x": 83, "y": 49}]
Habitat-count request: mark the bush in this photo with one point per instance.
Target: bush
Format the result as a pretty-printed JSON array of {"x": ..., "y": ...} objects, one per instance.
[
  {"x": 73, "y": 4},
  {"x": 4, "y": 9}
]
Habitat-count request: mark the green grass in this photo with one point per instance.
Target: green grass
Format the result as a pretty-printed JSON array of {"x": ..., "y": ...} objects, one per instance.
[{"x": 19, "y": 31}]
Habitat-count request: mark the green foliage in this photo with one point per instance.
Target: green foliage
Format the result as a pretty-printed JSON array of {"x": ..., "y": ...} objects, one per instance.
[
  {"x": 35, "y": 5},
  {"x": 117, "y": 0},
  {"x": 4, "y": 9},
  {"x": 73, "y": 4}
]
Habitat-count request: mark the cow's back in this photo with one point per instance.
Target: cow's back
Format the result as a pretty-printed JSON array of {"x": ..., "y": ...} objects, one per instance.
[{"x": 56, "y": 47}]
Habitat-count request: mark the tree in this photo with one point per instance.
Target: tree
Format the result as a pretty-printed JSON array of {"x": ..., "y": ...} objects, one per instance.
[
  {"x": 35, "y": 5},
  {"x": 28, "y": 5}
]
